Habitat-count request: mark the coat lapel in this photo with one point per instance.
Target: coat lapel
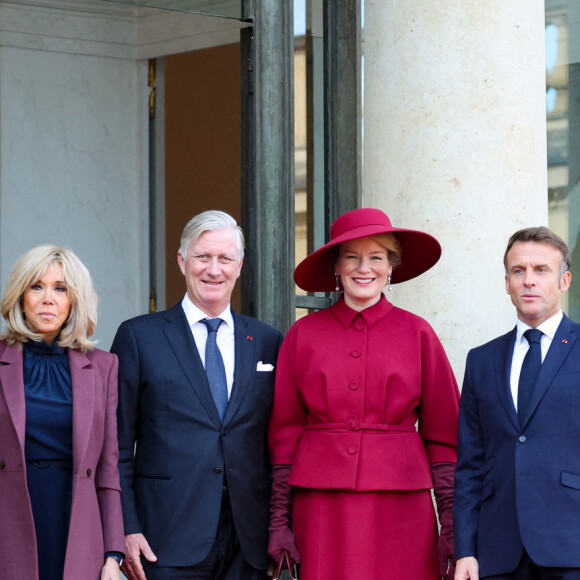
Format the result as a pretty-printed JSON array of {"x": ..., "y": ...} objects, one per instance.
[
  {"x": 503, "y": 370},
  {"x": 12, "y": 386},
  {"x": 181, "y": 340},
  {"x": 560, "y": 348},
  {"x": 83, "y": 388},
  {"x": 244, "y": 360}
]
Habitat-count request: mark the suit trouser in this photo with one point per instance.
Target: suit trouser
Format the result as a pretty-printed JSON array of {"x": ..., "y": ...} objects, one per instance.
[
  {"x": 528, "y": 570},
  {"x": 225, "y": 560}
]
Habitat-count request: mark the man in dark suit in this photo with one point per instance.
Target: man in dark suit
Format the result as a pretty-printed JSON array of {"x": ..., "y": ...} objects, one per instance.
[
  {"x": 193, "y": 457},
  {"x": 517, "y": 483}
]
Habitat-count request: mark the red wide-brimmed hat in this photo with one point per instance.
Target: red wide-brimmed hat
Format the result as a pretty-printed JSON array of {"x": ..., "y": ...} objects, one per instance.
[{"x": 419, "y": 251}]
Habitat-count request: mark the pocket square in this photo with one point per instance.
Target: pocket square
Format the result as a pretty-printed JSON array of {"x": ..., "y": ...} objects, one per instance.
[{"x": 264, "y": 368}]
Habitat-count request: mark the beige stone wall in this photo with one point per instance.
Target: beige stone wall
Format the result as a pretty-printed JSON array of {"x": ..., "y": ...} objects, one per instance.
[{"x": 455, "y": 144}]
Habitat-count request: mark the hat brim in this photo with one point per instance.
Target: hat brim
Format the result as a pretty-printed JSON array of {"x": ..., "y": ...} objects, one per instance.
[{"x": 419, "y": 252}]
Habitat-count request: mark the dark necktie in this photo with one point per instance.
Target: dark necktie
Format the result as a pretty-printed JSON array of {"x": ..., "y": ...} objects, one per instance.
[
  {"x": 529, "y": 373},
  {"x": 214, "y": 366}
]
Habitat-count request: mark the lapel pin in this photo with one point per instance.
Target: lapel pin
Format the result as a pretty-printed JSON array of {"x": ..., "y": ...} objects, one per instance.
[
  {"x": 564, "y": 341},
  {"x": 249, "y": 337}
]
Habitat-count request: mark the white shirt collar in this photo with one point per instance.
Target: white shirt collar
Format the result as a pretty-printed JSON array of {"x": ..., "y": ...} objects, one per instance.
[
  {"x": 194, "y": 314},
  {"x": 548, "y": 327}
]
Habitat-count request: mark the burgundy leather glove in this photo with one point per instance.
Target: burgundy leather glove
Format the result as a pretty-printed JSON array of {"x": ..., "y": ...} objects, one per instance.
[
  {"x": 442, "y": 474},
  {"x": 281, "y": 537}
]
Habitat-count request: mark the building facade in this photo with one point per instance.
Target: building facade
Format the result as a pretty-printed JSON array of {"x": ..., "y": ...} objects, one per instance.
[{"x": 120, "y": 120}]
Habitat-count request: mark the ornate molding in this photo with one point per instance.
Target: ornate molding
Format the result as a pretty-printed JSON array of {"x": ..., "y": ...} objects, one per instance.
[{"x": 101, "y": 28}]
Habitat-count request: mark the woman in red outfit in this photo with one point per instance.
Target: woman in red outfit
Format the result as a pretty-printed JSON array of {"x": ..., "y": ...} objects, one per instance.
[{"x": 365, "y": 417}]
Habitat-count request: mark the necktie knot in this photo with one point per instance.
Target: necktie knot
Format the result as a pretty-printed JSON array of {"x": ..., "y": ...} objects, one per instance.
[
  {"x": 212, "y": 324},
  {"x": 533, "y": 335}
]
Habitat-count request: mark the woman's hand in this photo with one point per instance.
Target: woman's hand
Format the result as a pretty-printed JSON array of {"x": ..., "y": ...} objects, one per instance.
[
  {"x": 111, "y": 570},
  {"x": 281, "y": 537}
]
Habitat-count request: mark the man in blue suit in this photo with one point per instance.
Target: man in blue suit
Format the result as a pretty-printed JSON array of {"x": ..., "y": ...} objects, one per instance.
[
  {"x": 517, "y": 483},
  {"x": 193, "y": 456}
]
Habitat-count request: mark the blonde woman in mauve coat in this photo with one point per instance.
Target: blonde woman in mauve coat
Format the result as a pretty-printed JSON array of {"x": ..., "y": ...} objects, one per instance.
[{"x": 60, "y": 498}]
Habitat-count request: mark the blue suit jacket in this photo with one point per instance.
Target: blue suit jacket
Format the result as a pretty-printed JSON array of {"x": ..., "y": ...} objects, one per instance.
[
  {"x": 518, "y": 486},
  {"x": 172, "y": 482}
]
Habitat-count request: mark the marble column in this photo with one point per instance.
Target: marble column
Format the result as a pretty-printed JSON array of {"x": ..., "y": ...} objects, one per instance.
[{"x": 455, "y": 144}]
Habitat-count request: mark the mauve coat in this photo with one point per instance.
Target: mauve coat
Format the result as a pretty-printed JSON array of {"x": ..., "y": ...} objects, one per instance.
[{"x": 96, "y": 524}]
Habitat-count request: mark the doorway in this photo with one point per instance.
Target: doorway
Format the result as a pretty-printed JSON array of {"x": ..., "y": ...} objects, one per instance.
[{"x": 202, "y": 111}]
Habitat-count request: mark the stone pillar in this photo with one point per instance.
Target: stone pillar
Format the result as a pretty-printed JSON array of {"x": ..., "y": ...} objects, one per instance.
[{"x": 455, "y": 144}]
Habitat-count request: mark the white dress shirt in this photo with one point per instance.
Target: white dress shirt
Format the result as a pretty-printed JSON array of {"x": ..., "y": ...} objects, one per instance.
[
  {"x": 225, "y": 336},
  {"x": 549, "y": 328}
]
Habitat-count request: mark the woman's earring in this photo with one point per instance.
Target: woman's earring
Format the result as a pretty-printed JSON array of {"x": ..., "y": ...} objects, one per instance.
[
  {"x": 337, "y": 289},
  {"x": 389, "y": 283}
]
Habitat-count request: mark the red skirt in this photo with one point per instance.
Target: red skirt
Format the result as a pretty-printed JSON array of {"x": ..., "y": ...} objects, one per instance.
[{"x": 359, "y": 535}]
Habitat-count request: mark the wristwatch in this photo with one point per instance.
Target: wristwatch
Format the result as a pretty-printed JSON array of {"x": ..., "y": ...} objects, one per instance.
[{"x": 117, "y": 556}]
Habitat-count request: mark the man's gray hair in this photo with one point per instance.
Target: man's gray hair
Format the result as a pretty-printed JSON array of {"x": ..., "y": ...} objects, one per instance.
[{"x": 209, "y": 221}]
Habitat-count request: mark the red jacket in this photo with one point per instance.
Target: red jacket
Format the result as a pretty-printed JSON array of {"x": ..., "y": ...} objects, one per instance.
[
  {"x": 96, "y": 523},
  {"x": 350, "y": 388}
]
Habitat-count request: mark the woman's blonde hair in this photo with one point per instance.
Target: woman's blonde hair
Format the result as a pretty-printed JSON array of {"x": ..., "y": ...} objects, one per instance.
[
  {"x": 391, "y": 243},
  {"x": 28, "y": 269}
]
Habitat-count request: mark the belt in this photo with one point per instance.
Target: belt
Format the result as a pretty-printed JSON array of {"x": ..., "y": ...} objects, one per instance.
[{"x": 353, "y": 424}]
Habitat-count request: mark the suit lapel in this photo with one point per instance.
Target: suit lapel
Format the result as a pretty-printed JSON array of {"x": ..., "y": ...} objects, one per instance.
[
  {"x": 83, "y": 388},
  {"x": 12, "y": 386},
  {"x": 560, "y": 348},
  {"x": 244, "y": 359},
  {"x": 181, "y": 340},
  {"x": 503, "y": 370}
]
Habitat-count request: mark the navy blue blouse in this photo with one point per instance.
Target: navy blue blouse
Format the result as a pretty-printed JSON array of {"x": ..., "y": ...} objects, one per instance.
[{"x": 48, "y": 392}]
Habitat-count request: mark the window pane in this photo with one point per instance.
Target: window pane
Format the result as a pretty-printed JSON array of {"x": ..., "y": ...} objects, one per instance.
[{"x": 563, "y": 126}]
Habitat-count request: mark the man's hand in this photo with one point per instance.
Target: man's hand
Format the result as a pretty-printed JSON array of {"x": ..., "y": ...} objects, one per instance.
[
  {"x": 467, "y": 569},
  {"x": 135, "y": 545}
]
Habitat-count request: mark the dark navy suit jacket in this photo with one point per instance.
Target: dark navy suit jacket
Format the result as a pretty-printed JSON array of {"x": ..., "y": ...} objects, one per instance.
[
  {"x": 173, "y": 450},
  {"x": 518, "y": 486}
]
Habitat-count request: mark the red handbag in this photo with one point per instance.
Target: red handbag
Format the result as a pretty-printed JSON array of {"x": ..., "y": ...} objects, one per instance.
[{"x": 286, "y": 564}]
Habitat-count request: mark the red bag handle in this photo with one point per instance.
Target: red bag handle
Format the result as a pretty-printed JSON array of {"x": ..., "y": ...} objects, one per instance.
[{"x": 285, "y": 563}]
